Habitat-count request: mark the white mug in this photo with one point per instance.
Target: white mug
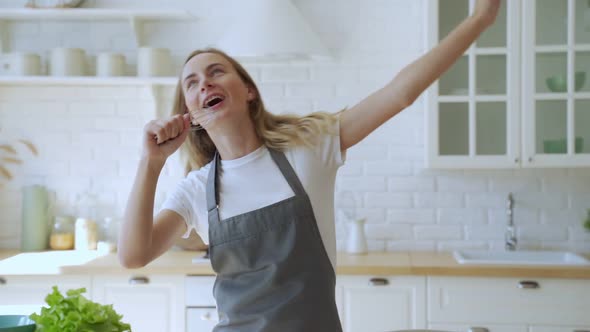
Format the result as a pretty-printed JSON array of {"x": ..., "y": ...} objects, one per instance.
[
  {"x": 154, "y": 62},
  {"x": 110, "y": 64},
  {"x": 23, "y": 64},
  {"x": 67, "y": 62}
]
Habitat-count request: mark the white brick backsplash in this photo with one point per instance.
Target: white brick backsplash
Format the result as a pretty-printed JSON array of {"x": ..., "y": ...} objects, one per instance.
[
  {"x": 309, "y": 90},
  {"x": 521, "y": 216},
  {"x": 462, "y": 216},
  {"x": 413, "y": 245},
  {"x": 438, "y": 200},
  {"x": 362, "y": 184},
  {"x": 485, "y": 200},
  {"x": 438, "y": 232},
  {"x": 388, "y": 200},
  {"x": 388, "y": 231},
  {"x": 462, "y": 184},
  {"x": 563, "y": 217},
  {"x": 334, "y": 73},
  {"x": 461, "y": 245},
  {"x": 543, "y": 232},
  {"x": 544, "y": 200},
  {"x": 284, "y": 74},
  {"x": 90, "y": 137},
  {"x": 514, "y": 184},
  {"x": 569, "y": 184},
  {"x": 485, "y": 232},
  {"x": 411, "y": 184},
  {"x": 413, "y": 216},
  {"x": 388, "y": 168}
]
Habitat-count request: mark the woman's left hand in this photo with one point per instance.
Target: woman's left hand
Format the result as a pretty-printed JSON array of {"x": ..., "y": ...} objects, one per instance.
[{"x": 487, "y": 11}]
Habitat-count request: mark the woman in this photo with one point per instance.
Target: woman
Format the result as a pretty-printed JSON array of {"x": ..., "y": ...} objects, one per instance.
[{"x": 260, "y": 187}]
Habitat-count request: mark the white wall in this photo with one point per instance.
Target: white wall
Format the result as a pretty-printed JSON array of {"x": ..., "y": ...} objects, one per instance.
[{"x": 88, "y": 137}]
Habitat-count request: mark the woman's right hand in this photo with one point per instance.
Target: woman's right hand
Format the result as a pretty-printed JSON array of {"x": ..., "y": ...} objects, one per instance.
[{"x": 162, "y": 137}]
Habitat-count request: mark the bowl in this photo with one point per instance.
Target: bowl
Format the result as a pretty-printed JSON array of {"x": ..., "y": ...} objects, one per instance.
[
  {"x": 558, "y": 83},
  {"x": 16, "y": 323}
]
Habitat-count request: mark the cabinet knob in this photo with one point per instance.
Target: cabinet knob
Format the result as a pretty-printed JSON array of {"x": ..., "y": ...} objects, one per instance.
[
  {"x": 528, "y": 284},
  {"x": 516, "y": 160},
  {"x": 530, "y": 159},
  {"x": 2, "y": 281},
  {"x": 478, "y": 329},
  {"x": 208, "y": 317},
  {"x": 378, "y": 282},
  {"x": 139, "y": 280}
]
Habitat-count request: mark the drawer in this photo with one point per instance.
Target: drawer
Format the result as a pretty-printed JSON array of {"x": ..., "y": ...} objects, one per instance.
[
  {"x": 199, "y": 291},
  {"x": 508, "y": 301}
]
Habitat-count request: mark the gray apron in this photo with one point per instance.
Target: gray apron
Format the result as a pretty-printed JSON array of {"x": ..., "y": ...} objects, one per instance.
[{"x": 273, "y": 272}]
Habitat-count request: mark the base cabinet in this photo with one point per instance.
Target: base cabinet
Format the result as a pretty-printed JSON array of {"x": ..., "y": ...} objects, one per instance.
[
  {"x": 147, "y": 303},
  {"x": 23, "y": 295},
  {"x": 378, "y": 304}
]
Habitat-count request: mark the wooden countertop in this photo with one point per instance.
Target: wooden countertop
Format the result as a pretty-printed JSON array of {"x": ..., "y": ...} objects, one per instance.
[{"x": 181, "y": 262}]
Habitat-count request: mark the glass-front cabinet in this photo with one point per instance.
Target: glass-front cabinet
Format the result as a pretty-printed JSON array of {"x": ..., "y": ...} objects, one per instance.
[{"x": 507, "y": 101}]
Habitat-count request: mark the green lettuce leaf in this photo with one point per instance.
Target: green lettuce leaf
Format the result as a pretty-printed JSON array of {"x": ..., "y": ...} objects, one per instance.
[{"x": 75, "y": 313}]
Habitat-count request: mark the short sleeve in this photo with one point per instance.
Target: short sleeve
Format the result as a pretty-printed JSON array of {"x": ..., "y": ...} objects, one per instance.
[
  {"x": 178, "y": 201},
  {"x": 329, "y": 149}
]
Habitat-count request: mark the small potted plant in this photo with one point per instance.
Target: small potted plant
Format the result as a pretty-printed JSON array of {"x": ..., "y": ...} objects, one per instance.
[{"x": 587, "y": 222}]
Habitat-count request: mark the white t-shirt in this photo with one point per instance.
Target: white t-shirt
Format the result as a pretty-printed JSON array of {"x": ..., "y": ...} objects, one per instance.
[{"x": 255, "y": 181}]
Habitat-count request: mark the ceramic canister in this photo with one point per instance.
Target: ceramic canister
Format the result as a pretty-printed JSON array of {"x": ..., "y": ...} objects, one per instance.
[
  {"x": 153, "y": 62},
  {"x": 24, "y": 64},
  {"x": 67, "y": 62},
  {"x": 110, "y": 64}
]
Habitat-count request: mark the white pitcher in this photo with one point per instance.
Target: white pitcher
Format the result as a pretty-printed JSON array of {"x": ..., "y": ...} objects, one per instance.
[{"x": 356, "y": 242}]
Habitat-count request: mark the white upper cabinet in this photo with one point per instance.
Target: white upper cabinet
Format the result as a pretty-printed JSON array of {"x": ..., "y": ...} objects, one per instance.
[{"x": 502, "y": 104}]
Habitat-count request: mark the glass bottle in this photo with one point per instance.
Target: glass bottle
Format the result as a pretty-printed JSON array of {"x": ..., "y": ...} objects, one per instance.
[{"x": 62, "y": 233}]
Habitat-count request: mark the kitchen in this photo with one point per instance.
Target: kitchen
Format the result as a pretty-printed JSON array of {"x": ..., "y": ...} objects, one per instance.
[{"x": 427, "y": 183}]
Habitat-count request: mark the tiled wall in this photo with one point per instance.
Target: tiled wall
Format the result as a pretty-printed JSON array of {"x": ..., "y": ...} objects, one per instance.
[{"x": 89, "y": 137}]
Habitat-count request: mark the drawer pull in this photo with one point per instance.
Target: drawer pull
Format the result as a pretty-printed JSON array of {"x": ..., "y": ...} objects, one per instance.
[
  {"x": 2, "y": 281},
  {"x": 528, "y": 284},
  {"x": 478, "y": 329},
  {"x": 139, "y": 280},
  {"x": 208, "y": 317},
  {"x": 378, "y": 282}
]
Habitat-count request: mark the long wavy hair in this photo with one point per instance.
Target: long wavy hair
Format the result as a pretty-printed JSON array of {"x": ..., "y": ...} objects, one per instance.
[{"x": 276, "y": 131}]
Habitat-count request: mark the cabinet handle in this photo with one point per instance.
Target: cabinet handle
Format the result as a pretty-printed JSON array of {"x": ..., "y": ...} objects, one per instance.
[
  {"x": 2, "y": 281},
  {"x": 208, "y": 317},
  {"x": 139, "y": 280},
  {"x": 378, "y": 282},
  {"x": 530, "y": 159},
  {"x": 528, "y": 284},
  {"x": 478, "y": 329},
  {"x": 516, "y": 160}
]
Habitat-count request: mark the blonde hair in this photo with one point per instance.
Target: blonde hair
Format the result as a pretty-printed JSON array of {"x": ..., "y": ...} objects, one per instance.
[{"x": 276, "y": 131}]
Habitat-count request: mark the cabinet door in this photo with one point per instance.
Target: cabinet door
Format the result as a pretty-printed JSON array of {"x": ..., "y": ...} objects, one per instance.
[
  {"x": 473, "y": 109},
  {"x": 147, "y": 303},
  {"x": 556, "y": 94},
  {"x": 201, "y": 319},
  {"x": 508, "y": 301},
  {"x": 377, "y": 304},
  {"x": 23, "y": 295}
]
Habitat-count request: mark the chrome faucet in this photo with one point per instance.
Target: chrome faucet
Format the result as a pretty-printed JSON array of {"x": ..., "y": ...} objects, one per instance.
[{"x": 510, "y": 235}]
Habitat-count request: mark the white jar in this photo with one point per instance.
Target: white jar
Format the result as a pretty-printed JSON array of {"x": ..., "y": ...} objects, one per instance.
[
  {"x": 24, "y": 64},
  {"x": 357, "y": 242},
  {"x": 67, "y": 62},
  {"x": 153, "y": 62},
  {"x": 110, "y": 64},
  {"x": 86, "y": 235}
]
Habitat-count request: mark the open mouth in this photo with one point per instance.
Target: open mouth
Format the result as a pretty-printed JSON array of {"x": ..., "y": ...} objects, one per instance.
[{"x": 213, "y": 101}]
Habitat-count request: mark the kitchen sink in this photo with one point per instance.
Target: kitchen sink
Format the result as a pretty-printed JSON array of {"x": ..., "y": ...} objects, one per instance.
[{"x": 520, "y": 257}]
